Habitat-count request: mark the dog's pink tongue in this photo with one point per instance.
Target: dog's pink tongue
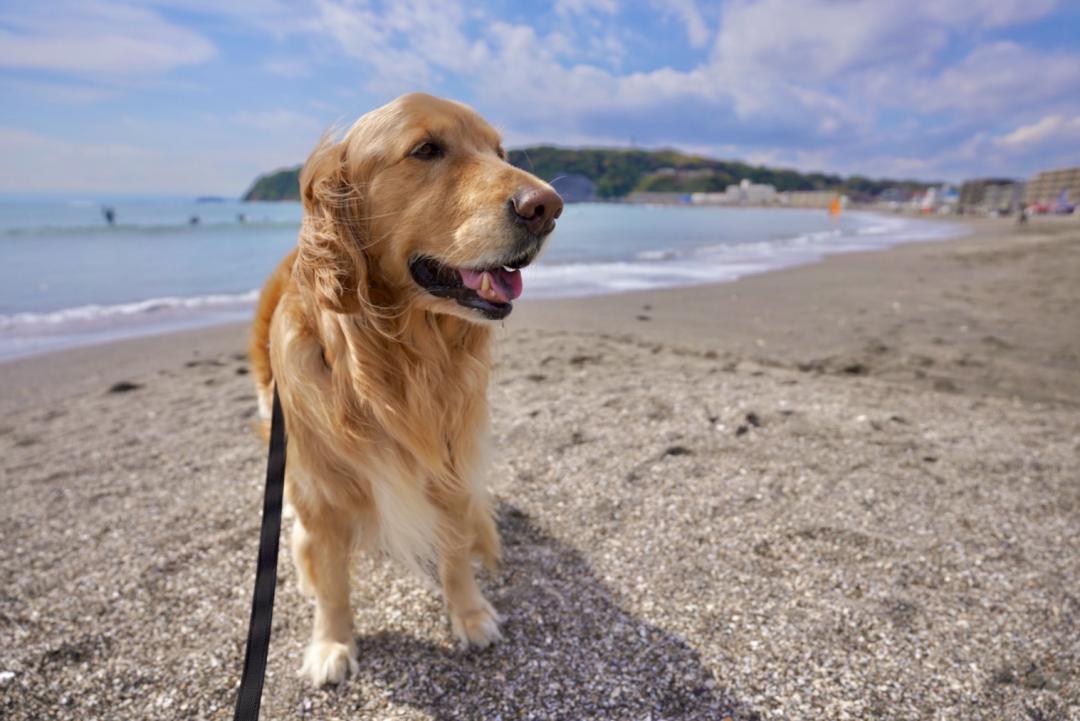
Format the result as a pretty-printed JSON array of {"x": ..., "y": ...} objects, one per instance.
[
  {"x": 508, "y": 282},
  {"x": 502, "y": 285}
]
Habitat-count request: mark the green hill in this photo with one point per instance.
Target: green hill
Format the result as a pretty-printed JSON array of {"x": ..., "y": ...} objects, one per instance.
[
  {"x": 279, "y": 185},
  {"x": 618, "y": 172}
]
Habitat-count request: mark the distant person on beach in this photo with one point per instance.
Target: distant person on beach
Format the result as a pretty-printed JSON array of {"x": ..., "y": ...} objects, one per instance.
[
  {"x": 1022, "y": 218},
  {"x": 194, "y": 220},
  {"x": 240, "y": 218},
  {"x": 109, "y": 215}
]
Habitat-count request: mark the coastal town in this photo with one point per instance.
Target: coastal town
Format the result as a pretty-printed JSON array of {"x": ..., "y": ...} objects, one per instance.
[
  {"x": 670, "y": 177},
  {"x": 1048, "y": 192}
]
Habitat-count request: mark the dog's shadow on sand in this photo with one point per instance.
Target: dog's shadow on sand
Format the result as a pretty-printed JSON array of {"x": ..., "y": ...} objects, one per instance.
[{"x": 570, "y": 651}]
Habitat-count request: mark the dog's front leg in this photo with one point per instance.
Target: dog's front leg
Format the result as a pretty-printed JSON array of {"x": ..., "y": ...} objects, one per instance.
[
  {"x": 321, "y": 555},
  {"x": 473, "y": 619}
]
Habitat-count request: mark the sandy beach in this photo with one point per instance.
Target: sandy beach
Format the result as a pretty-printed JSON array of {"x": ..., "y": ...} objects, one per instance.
[{"x": 847, "y": 490}]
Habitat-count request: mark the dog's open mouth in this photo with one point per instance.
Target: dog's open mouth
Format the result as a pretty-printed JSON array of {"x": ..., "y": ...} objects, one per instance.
[{"x": 491, "y": 291}]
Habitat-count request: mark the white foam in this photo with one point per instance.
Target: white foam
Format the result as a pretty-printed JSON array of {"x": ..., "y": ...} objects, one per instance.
[
  {"x": 90, "y": 314},
  {"x": 26, "y": 333},
  {"x": 662, "y": 268},
  {"x": 657, "y": 255}
]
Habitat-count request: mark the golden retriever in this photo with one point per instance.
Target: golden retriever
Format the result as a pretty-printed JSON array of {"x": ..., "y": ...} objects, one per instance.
[{"x": 376, "y": 332}]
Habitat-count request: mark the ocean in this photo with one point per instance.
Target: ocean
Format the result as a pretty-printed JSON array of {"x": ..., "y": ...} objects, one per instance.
[{"x": 69, "y": 278}]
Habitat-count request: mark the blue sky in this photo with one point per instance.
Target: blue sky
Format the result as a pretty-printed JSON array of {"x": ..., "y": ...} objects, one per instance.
[{"x": 199, "y": 96}]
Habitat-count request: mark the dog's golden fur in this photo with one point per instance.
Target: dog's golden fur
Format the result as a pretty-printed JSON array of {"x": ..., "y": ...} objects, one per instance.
[{"x": 383, "y": 386}]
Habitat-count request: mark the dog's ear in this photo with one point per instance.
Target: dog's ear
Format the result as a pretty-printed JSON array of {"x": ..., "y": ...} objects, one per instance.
[{"x": 331, "y": 261}]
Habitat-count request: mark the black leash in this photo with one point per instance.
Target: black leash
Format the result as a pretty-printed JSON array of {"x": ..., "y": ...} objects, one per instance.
[{"x": 262, "y": 603}]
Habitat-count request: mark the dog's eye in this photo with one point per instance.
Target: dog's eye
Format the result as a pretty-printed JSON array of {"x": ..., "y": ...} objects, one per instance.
[
  {"x": 500, "y": 152},
  {"x": 427, "y": 150}
]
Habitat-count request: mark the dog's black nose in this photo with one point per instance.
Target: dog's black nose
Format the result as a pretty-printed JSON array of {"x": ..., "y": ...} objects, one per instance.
[{"x": 537, "y": 208}]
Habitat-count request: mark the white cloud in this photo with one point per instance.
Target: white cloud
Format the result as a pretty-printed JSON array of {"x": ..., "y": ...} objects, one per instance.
[
  {"x": 805, "y": 67},
  {"x": 860, "y": 55},
  {"x": 278, "y": 18},
  {"x": 403, "y": 44},
  {"x": 97, "y": 39},
  {"x": 689, "y": 14},
  {"x": 987, "y": 13},
  {"x": 870, "y": 86},
  {"x": 586, "y": 7},
  {"x": 288, "y": 67},
  {"x": 1050, "y": 141},
  {"x": 1001, "y": 76},
  {"x": 58, "y": 92},
  {"x": 817, "y": 40},
  {"x": 814, "y": 40},
  {"x": 193, "y": 156},
  {"x": 532, "y": 79},
  {"x": 33, "y": 161},
  {"x": 1051, "y": 129},
  {"x": 282, "y": 120}
]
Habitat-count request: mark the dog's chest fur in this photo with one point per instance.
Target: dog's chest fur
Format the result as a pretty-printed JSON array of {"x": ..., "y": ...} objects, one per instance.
[{"x": 421, "y": 391}]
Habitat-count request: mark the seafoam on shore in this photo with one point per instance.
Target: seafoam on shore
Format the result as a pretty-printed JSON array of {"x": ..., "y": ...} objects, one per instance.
[
  {"x": 600, "y": 249},
  {"x": 713, "y": 263}
]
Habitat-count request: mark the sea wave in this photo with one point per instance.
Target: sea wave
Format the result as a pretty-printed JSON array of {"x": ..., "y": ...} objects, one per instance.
[
  {"x": 99, "y": 229},
  {"x": 89, "y": 314},
  {"x": 663, "y": 267},
  {"x": 25, "y": 333},
  {"x": 665, "y": 254}
]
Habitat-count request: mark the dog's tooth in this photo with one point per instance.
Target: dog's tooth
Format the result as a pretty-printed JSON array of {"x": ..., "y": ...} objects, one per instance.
[{"x": 485, "y": 283}]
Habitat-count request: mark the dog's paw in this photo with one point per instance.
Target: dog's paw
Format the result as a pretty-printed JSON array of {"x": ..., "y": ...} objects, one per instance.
[
  {"x": 328, "y": 662},
  {"x": 477, "y": 627}
]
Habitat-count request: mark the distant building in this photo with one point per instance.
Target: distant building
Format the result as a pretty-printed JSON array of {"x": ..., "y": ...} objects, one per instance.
[
  {"x": 709, "y": 198},
  {"x": 894, "y": 194},
  {"x": 938, "y": 199},
  {"x": 814, "y": 198},
  {"x": 991, "y": 195},
  {"x": 657, "y": 198},
  {"x": 747, "y": 193},
  {"x": 949, "y": 199},
  {"x": 1047, "y": 186},
  {"x": 1005, "y": 198}
]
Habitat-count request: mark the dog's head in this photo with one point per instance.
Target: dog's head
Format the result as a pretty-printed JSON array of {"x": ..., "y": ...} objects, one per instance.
[{"x": 418, "y": 207}]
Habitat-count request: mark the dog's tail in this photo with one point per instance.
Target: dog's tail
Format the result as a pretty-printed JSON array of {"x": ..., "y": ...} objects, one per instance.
[{"x": 259, "y": 350}]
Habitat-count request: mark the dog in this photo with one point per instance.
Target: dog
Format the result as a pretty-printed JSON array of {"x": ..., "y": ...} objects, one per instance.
[{"x": 376, "y": 332}]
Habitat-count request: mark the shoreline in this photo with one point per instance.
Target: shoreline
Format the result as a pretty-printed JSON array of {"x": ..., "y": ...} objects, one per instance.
[
  {"x": 762, "y": 317},
  {"x": 165, "y": 315},
  {"x": 991, "y": 311}
]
